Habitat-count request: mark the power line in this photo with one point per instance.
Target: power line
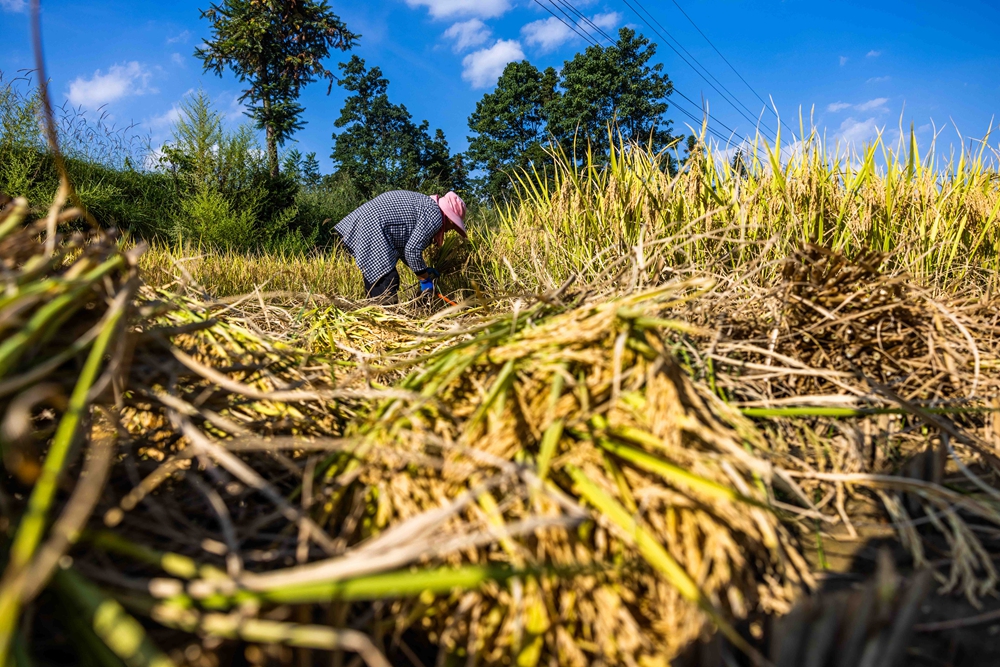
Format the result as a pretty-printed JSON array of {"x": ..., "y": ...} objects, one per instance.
[
  {"x": 558, "y": 4},
  {"x": 722, "y": 56},
  {"x": 686, "y": 62},
  {"x": 689, "y": 54},
  {"x": 735, "y": 71},
  {"x": 698, "y": 121},
  {"x": 586, "y": 37},
  {"x": 700, "y": 108},
  {"x": 586, "y": 20},
  {"x": 592, "y": 41}
]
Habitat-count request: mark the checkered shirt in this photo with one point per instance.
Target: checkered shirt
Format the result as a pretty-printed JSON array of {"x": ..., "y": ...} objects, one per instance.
[{"x": 395, "y": 225}]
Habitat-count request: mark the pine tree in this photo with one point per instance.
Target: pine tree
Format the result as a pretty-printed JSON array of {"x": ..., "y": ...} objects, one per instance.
[
  {"x": 311, "y": 176},
  {"x": 277, "y": 47}
]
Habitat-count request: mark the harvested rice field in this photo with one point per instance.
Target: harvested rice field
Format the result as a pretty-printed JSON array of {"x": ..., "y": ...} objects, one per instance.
[{"x": 727, "y": 417}]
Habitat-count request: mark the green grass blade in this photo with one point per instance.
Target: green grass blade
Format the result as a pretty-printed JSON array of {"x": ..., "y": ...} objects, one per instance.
[
  {"x": 29, "y": 531},
  {"x": 124, "y": 635},
  {"x": 676, "y": 475}
]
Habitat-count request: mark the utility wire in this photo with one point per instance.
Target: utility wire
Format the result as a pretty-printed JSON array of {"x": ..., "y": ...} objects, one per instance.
[
  {"x": 583, "y": 17},
  {"x": 692, "y": 57},
  {"x": 694, "y": 104},
  {"x": 698, "y": 124},
  {"x": 686, "y": 62},
  {"x": 591, "y": 40},
  {"x": 732, "y": 67},
  {"x": 700, "y": 108},
  {"x": 586, "y": 37},
  {"x": 724, "y": 59},
  {"x": 558, "y": 4}
]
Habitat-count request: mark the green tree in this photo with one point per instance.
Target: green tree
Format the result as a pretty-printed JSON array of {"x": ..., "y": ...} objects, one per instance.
[
  {"x": 460, "y": 175},
  {"x": 614, "y": 85},
  {"x": 291, "y": 165},
  {"x": 303, "y": 170},
  {"x": 436, "y": 161},
  {"x": 212, "y": 170},
  {"x": 510, "y": 126},
  {"x": 225, "y": 195},
  {"x": 277, "y": 47},
  {"x": 203, "y": 154},
  {"x": 311, "y": 175},
  {"x": 380, "y": 146}
]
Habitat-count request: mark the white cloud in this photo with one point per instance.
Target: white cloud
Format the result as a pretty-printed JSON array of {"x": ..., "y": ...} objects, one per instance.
[
  {"x": 547, "y": 34},
  {"x": 607, "y": 21},
  {"x": 179, "y": 37},
  {"x": 120, "y": 81},
  {"x": 843, "y": 60},
  {"x": 14, "y": 5},
  {"x": 551, "y": 33},
  {"x": 877, "y": 104},
  {"x": 468, "y": 34},
  {"x": 440, "y": 9},
  {"x": 165, "y": 121},
  {"x": 235, "y": 110},
  {"x": 854, "y": 132},
  {"x": 177, "y": 58},
  {"x": 873, "y": 54},
  {"x": 483, "y": 67},
  {"x": 879, "y": 79}
]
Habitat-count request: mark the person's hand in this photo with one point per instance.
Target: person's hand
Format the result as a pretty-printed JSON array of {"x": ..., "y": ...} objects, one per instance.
[{"x": 426, "y": 284}]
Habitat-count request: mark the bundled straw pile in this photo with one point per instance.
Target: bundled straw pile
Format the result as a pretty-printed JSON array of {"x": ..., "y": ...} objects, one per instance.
[
  {"x": 848, "y": 320},
  {"x": 593, "y": 401},
  {"x": 477, "y": 465},
  {"x": 860, "y": 375}
]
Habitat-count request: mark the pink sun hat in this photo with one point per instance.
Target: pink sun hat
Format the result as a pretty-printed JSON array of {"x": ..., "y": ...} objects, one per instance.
[{"x": 454, "y": 209}]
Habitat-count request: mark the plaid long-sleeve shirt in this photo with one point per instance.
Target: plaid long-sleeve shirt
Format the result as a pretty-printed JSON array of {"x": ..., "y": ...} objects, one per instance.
[{"x": 395, "y": 225}]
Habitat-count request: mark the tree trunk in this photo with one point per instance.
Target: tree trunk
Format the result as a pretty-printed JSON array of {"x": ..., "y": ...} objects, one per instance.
[
  {"x": 272, "y": 152},
  {"x": 272, "y": 144}
]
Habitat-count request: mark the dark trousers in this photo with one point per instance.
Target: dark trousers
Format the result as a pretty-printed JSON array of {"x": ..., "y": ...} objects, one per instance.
[{"x": 385, "y": 289}]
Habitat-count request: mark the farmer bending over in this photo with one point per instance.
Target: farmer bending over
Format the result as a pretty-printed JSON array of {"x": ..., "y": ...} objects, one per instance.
[{"x": 399, "y": 225}]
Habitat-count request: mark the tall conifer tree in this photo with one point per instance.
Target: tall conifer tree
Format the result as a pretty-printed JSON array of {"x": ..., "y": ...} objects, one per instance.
[{"x": 277, "y": 47}]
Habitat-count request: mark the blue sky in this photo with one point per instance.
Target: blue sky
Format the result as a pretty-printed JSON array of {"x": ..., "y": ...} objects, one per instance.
[{"x": 860, "y": 65}]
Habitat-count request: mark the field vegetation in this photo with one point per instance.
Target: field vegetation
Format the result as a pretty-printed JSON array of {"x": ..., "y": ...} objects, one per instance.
[{"x": 674, "y": 397}]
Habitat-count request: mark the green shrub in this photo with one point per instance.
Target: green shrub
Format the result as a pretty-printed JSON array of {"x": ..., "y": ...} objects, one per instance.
[
  {"x": 228, "y": 198},
  {"x": 107, "y": 166},
  {"x": 323, "y": 206},
  {"x": 207, "y": 218}
]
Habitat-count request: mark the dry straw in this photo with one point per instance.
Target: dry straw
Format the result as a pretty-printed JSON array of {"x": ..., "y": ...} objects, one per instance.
[{"x": 634, "y": 433}]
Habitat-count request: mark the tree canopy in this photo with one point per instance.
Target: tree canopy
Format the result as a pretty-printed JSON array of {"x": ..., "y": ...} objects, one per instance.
[
  {"x": 602, "y": 87},
  {"x": 277, "y": 47},
  {"x": 614, "y": 85},
  {"x": 510, "y": 125},
  {"x": 380, "y": 146}
]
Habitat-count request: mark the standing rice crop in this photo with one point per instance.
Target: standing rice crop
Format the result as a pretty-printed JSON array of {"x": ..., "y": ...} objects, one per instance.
[{"x": 939, "y": 225}]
